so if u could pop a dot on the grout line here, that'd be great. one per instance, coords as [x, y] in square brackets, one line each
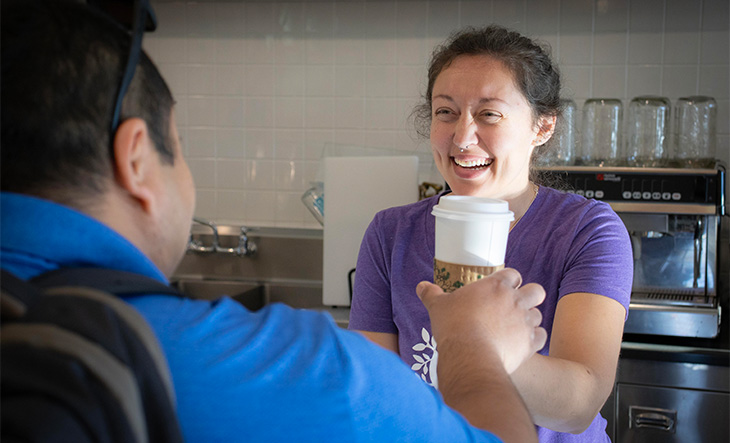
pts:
[214, 97]
[626, 53]
[663, 44]
[699, 47]
[593, 43]
[558, 56]
[524, 15]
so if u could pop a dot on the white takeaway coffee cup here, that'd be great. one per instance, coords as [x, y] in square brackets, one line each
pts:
[471, 239]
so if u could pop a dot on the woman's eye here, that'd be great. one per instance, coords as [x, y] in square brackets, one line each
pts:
[491, 116]
[444, 114]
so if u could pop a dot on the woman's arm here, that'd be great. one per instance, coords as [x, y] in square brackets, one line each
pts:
[565, 390]
[385, 339]
[485, 330]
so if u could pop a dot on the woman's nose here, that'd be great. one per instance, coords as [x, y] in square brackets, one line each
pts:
[465, 132]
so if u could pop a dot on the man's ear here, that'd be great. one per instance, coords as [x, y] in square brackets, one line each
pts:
[136, 162]
[545, 130]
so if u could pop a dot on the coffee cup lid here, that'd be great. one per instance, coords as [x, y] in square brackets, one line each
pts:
[464, 207]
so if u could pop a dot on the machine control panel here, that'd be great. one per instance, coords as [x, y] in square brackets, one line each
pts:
[645, 185]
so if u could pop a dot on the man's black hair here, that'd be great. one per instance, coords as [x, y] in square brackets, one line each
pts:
[62, 63]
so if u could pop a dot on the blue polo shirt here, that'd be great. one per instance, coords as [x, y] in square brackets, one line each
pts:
[277, 374]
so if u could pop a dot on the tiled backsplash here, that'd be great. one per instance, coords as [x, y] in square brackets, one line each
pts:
[264, 87]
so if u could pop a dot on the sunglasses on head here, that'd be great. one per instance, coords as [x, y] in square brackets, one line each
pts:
[137, 16]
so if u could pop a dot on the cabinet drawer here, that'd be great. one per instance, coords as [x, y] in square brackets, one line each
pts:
[658, 415]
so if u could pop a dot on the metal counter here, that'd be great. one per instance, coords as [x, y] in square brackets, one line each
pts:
[671, 390]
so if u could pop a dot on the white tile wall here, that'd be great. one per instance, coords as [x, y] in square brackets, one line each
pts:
[265, 87]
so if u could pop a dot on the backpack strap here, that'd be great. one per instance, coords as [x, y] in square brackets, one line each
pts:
[16, 296]
[96, 284]
[74, 314]
[120, 283]
[113, 375]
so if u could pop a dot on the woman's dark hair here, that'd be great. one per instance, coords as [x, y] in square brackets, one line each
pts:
[532, 68]
[533, 71]
[62, 64]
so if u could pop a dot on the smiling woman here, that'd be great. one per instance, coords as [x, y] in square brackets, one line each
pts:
[483, 132]
[493, 96]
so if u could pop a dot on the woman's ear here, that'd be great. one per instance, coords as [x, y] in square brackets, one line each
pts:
[545, 129]
[136, 162]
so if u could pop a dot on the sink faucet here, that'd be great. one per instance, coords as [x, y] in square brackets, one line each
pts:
[246, 247]
[197, 245]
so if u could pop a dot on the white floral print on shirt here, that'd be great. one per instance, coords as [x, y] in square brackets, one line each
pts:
[425, 364]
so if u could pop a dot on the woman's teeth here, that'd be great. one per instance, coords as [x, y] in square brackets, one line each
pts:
[477, 163]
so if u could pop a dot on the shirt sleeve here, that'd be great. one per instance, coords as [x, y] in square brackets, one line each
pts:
[600, 260]
[391, 403]
[280, 374]
[372, 307]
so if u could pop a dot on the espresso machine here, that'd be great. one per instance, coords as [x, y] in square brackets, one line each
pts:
[673, 217]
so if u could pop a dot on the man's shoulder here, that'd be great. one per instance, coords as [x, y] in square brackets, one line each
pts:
[185, 319]
[229, 353]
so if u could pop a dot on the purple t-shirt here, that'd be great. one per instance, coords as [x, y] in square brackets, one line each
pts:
[564, 242]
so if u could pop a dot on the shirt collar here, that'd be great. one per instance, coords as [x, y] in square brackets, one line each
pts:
[38, 235]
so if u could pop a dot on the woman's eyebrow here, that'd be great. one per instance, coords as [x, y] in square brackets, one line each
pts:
[443, 96]
[491, 99]
[481, 100]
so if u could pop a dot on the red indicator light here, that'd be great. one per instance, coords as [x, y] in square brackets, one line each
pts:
[599, 177]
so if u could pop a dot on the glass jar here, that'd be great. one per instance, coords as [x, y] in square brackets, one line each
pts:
[560, 149]
[313, 199]
[601, 132]
[695, 131]
[647, 131]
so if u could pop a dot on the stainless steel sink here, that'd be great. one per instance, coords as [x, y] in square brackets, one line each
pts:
[254, 295]
[250, 294]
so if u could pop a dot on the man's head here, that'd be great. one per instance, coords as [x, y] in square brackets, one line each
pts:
[62, 64]
[61, 67]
